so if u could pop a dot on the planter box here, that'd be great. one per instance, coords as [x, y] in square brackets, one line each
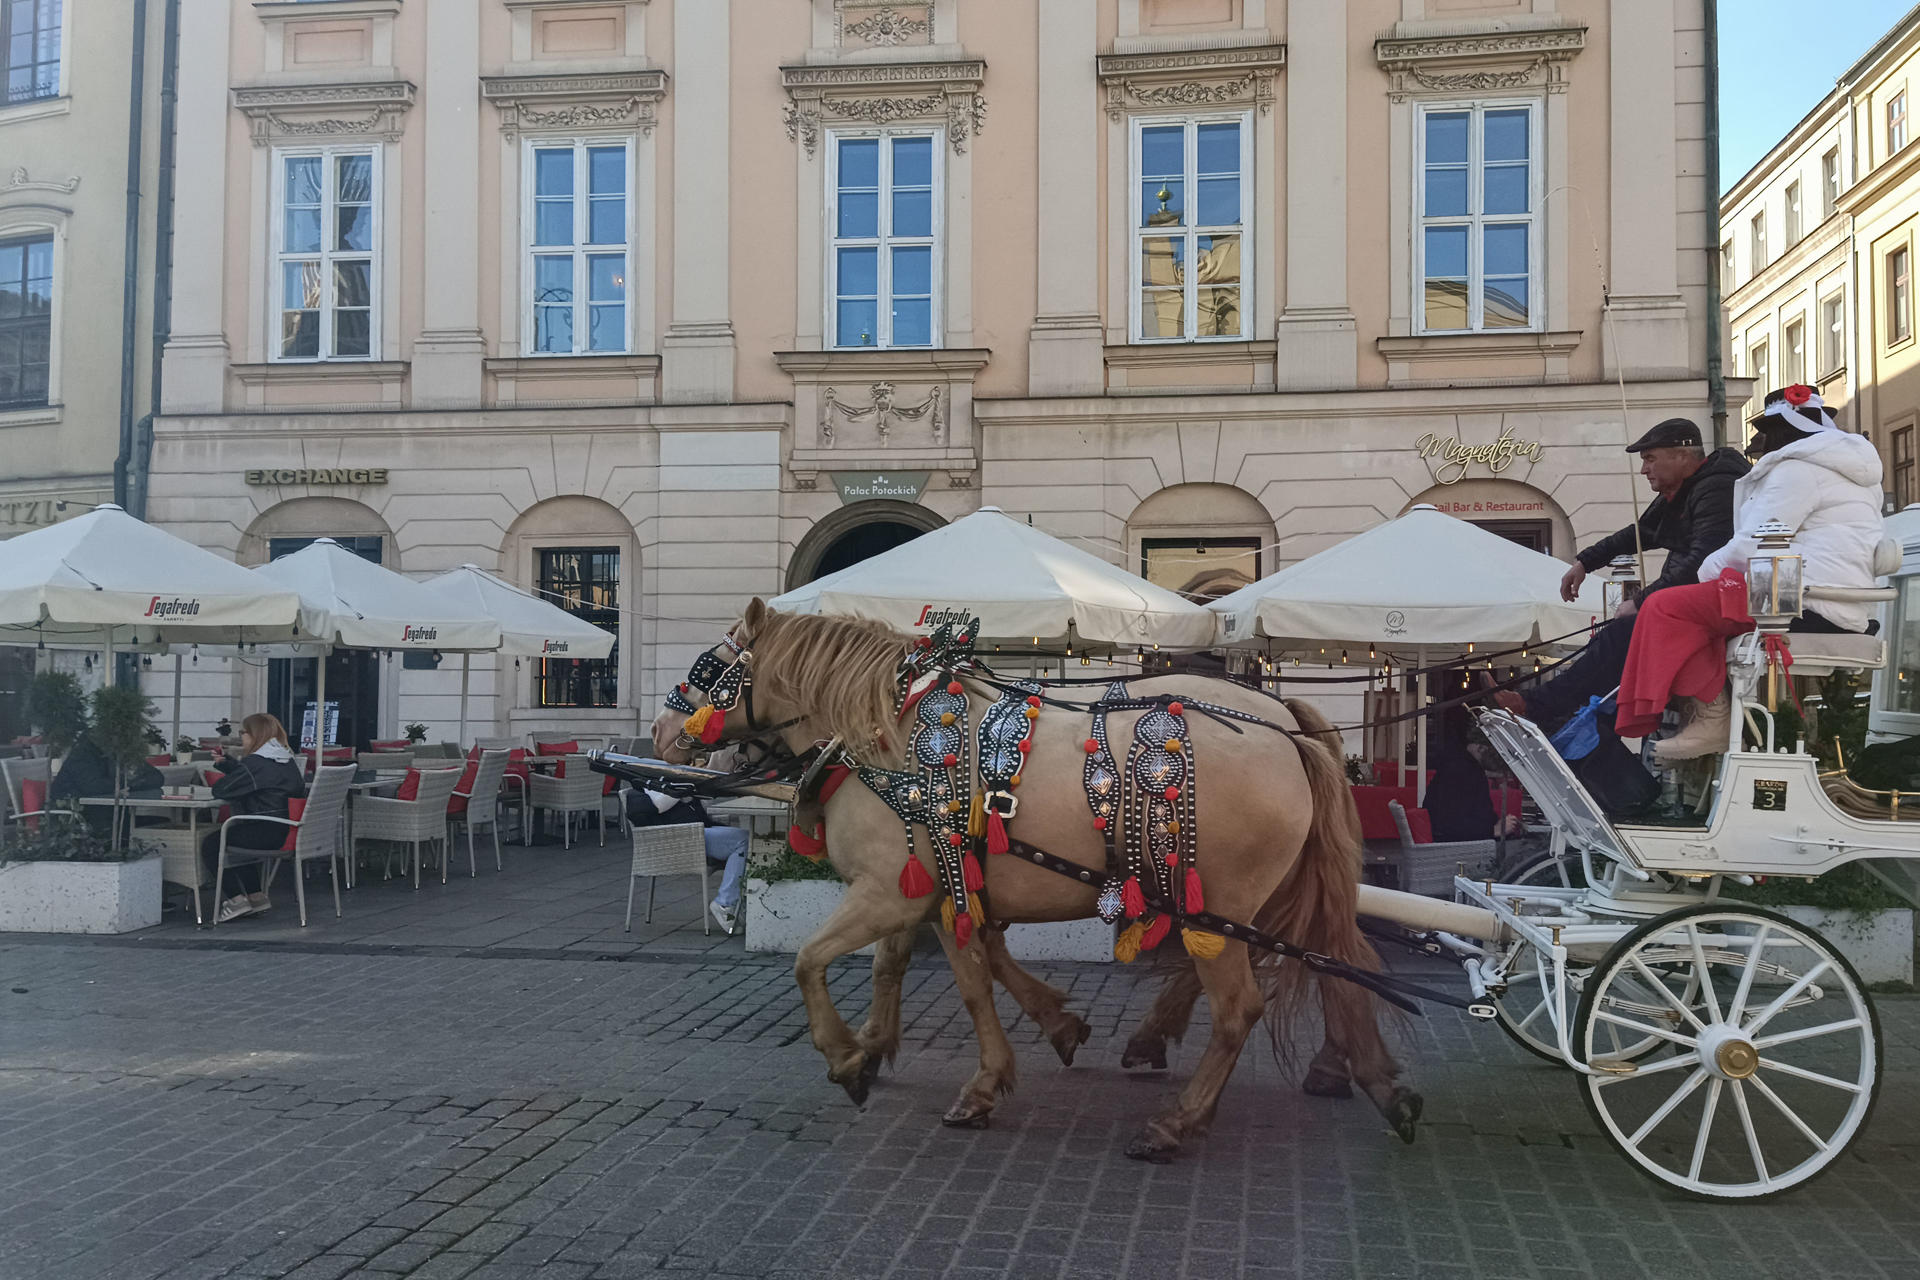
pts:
[79, 897]
[1879, 943]
[781, 916]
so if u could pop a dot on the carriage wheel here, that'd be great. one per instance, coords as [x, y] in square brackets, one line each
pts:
[1760, 1081]
[1551, 872]
[1525, 1011]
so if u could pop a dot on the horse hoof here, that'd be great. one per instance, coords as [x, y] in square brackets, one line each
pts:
[1403, 1113]
[869, 1072]
[1151, 1149]
[1324, 1084]
[860, 1082]
[1137, 1055]
[966, 1115]
[1069, 1038]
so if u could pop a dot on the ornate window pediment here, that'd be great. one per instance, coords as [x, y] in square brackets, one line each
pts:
[325, 112]
[1530, 58]
[885, 93]
[1192, 79]
[624, 100]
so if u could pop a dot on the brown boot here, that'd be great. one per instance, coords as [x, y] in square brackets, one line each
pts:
[1705, 734]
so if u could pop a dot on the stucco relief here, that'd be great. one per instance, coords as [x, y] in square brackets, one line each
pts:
[1476, 63]
[19, 181]
[883, 410]
[326, 111]
[1193, 78]
[624, 101]
[883, 27]
[882, 94]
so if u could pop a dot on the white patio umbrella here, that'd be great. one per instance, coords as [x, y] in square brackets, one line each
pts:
[529, 626]
[1028, 587]
[1426, 583]
[349, 602]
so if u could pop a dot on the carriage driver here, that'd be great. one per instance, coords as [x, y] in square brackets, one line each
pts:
[1690, 517]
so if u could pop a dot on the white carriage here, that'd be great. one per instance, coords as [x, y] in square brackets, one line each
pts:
[1726, 1050]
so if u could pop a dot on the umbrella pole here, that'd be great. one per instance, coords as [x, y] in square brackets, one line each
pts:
[1420, 762]
[1400, 731]
[320, 710]
[176, 703]
[466, 669]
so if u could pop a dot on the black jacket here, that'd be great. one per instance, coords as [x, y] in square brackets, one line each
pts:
[1696, 523]
[88, 772]
[254, 785]
[642, 812]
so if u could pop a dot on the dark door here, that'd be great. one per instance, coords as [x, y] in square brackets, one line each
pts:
[16, 673]
[353, 675]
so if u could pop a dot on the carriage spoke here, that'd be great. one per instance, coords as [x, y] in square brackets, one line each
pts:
[1801, 1073]
[1806, 1033]
[1639, 1072]
[1645, 1029]
[1753, 1138]
[1666, 992]
[1739, 1002]
[1703, 975]
[1527, 1021]
[1706, 1130]
[1792, 1116]
[1781, 1001]
[1680, 1095]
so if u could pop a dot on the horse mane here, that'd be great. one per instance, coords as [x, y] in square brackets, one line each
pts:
[841, 670]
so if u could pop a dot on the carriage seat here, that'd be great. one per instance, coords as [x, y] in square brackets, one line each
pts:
[1816, 654]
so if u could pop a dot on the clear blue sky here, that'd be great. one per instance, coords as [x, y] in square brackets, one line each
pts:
[1780, 57]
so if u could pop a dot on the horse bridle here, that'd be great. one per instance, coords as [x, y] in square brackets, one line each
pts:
[726, 685]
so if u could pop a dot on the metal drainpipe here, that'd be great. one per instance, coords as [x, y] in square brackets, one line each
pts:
[1716, 372]
[162, 257]
[130, 291]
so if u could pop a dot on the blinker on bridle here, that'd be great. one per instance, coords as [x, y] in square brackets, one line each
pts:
[724, 684]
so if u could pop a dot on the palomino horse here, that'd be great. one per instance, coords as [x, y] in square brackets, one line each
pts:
[1278, 847]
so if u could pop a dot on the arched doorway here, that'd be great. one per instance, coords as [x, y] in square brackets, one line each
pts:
[1202, 540]
[1515, 511]
[855, 533]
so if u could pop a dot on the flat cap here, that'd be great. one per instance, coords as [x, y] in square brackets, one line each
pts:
[1674, 433]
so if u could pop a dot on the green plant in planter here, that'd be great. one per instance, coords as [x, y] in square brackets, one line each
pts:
[156, 739]
[185, 745]
[1849, 888]
[416, 733]
[122, 728]
[57, 707]
[60, 840]
[785, 864]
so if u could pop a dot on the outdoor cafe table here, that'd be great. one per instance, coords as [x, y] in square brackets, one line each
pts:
[191, 802]
[749, 811]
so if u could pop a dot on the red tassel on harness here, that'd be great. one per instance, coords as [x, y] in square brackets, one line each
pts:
[1156, 932]
[804, 844]
[962, 928]
[914, 880]
[996, 832]
[715, 726]
[1194, 901]
[970, 874]
[1132, 901]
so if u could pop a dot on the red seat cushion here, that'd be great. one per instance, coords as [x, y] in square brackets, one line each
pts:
[409, 786]
[457, 803]
[296, 807]
[33, 799]
[388, 744]
[208, 777]
[568, 748]
[1420, 823]
[157, 761]
[1376, 820]
[517, 766]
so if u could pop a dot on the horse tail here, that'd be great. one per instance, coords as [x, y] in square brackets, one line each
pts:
[1315, 906]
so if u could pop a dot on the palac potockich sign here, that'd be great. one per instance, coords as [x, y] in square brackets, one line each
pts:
[1456, 456]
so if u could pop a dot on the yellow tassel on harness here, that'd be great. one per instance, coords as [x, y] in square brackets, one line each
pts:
[946, 915]
[697, 722]
[1202, 946]
[1127, 945]
[977, 818]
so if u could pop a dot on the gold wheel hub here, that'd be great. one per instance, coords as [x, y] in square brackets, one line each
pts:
[1737, 1059]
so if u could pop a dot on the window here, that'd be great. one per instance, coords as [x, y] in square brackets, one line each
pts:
[1899, 296]
[324, 228]
[1829, 183]
[884, 256]
[1201, 569]
[30, 31]
[584, 581]
[26, 320]
[1757, 370]
[578, 248]
[1793, 354]
[1191, 180]
[1726, 264]
[1833, 333]
[1478, 218]
[1793, 214]
[1902, 449]
[1897, 122]
[1759, 246]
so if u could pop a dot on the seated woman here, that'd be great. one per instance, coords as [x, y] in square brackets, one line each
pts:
[1824, 484]
[257, 783]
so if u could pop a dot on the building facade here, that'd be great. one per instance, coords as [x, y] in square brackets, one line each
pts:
[68, 325]
[655, 305]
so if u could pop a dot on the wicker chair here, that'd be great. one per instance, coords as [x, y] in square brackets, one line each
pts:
[578, 792]
[385, 760]
[1430, 868]
[483, 809]
[179, 775]
[668, 851]
[16, 774]
[416, 822]
[317, 835]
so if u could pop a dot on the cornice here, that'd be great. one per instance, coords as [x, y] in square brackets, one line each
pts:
[286, 113]
[597, 100]
[1863, 193]
[953, 74]
[1117, 66]
[886, 93]
[825, 365]
[1804, 256]
[1480, 61]
[1191, 78]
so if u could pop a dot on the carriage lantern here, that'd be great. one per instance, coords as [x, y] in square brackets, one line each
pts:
[1774, 579]
[1621, 584]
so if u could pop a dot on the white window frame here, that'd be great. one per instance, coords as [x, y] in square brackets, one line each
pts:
[1897, 140]
[1476, 222]
[1794, 225]
[579, 249]
[1832, 353]
[883, 242]
[1759, 362]
[1790, 376]
[1726, 263]
[1190, 304]
[1829, 183]
[276, 288]
[1757, 241]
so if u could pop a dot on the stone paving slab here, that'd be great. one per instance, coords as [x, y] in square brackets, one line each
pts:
[318, 1111]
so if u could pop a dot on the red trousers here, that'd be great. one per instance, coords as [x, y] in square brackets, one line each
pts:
[1679, 649]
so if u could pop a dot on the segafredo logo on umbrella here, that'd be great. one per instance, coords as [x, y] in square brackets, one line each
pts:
[414, 633]
[172, 607]
[940, 617]
[553, 646]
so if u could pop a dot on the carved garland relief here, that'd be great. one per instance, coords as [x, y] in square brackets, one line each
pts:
[882, 410]
[885, 94]
[1201, 78]
[1475, 64]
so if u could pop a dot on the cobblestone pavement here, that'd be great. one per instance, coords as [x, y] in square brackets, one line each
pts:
[318, 1111]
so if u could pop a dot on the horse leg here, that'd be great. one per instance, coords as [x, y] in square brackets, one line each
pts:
[1045, 1004]
[1234, 1001]
[861, 917]
[1166, 1020]
[974, 978]
[1354, 1032]
[1328, 1075]
[880, 1036]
